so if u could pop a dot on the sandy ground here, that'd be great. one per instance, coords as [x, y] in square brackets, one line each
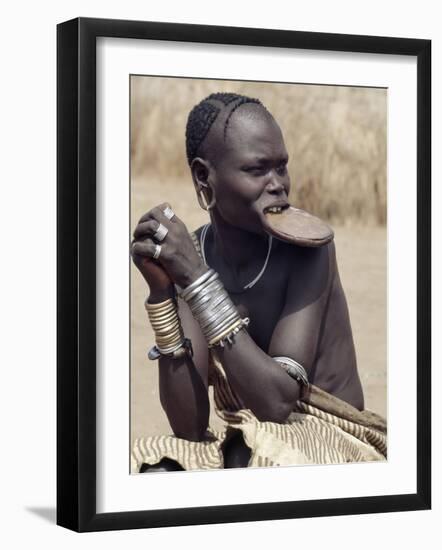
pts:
[362, 258]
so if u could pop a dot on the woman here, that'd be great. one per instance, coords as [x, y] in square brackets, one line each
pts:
[266, 319]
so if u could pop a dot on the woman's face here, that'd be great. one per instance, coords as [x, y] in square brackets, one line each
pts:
[250, 174]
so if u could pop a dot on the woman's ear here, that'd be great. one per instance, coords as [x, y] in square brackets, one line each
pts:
[201, 174]
[200, 169]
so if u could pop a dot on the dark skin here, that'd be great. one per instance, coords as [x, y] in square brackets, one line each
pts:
[297, 309]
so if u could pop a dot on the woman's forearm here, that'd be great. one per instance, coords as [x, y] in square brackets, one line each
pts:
[184, 397]
[262, 384]
[183, 393]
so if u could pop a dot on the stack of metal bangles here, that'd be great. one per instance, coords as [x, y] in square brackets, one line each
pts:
[213, 309]
[209, 303]
[166, 325]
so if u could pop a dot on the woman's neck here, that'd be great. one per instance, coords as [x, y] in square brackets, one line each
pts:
[237, 247]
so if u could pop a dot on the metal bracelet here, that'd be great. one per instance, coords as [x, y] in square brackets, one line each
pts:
[152, 307]
[184, 348]
[211, 316]
[225, 334]
[212, 307]
[293, 369]
[209, 285]
[185, 292]
[230, 336]
[219, 321]
[212, 300]
[219, 327]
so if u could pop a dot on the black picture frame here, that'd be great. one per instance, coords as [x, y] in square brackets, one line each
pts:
[76, 273]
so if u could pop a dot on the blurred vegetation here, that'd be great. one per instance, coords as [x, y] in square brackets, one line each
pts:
[336, 137]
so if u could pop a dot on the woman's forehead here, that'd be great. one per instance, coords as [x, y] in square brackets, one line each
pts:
[244, 133]
[254, 134]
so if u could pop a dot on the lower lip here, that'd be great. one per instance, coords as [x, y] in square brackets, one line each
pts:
[296, 227]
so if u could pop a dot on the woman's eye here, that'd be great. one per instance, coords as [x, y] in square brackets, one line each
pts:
[282, 169]
[256, 170]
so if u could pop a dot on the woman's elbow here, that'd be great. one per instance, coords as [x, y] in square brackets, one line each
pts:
[276, 413]
[190, 424]
[190, 434]
[190, 427]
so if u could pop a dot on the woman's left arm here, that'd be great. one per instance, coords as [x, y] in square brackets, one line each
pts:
[261, 382]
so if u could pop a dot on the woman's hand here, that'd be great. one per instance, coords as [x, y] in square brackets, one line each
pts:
[160, 284]
[177, 257]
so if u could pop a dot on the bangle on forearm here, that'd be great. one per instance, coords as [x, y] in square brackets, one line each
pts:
[184, 292]
[182, 350]
[166, 325]
[293, 369]
[213, 308]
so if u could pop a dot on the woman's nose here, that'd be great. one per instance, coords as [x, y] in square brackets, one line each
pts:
[276, 183]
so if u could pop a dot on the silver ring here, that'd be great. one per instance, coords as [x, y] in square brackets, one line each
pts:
[160, 233]
[157, 252]
[169, 213]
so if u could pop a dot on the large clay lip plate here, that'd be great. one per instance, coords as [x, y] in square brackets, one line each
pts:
[298, 227]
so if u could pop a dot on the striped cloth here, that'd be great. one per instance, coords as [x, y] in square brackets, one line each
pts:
[322, 429]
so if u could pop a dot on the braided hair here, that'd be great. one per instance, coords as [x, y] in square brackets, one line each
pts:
[203, 115]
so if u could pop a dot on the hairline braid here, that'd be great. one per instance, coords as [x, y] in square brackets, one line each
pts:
[204, 114]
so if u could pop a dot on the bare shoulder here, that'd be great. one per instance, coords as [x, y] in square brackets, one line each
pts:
[313, 268]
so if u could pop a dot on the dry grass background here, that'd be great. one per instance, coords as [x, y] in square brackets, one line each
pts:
[336, 138]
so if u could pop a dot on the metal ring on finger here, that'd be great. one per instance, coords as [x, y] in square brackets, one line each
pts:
[157, 252]
[169, 213]
[160, 233]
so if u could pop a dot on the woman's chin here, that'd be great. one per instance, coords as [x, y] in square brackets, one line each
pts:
[252, 221]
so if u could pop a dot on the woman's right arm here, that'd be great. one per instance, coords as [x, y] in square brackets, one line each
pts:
[184, 383]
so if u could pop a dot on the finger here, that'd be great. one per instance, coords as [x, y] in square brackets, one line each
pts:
[143, 248]
[146, 228]
[142, 238]
[157, 213]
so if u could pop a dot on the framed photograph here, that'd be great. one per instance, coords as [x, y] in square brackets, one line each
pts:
[243, 274]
